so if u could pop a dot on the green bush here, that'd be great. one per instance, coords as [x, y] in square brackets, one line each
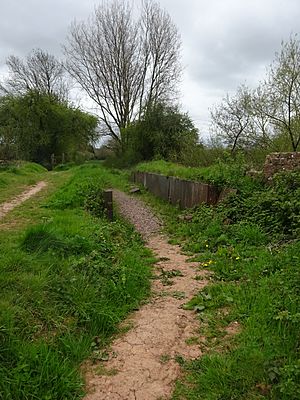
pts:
[94, 200]
[275, 208]
[162, 131]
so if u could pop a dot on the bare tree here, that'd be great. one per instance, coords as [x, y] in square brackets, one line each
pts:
[282, 102]
[40, 71]
[161, 50]
[251, 118]
[260, 123]
[123, 63]
[231, 119]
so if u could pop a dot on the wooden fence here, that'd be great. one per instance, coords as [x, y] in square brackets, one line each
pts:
[181, 192]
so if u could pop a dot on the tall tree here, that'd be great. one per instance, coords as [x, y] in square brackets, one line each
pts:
[40, 72]
[282, 103]
[124, 63]
[163, 131]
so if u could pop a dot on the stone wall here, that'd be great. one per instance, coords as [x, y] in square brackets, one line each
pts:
[277, 162]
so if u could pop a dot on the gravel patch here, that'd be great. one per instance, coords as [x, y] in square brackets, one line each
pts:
[136, 212]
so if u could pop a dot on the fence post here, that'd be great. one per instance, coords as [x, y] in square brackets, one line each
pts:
[108, 203]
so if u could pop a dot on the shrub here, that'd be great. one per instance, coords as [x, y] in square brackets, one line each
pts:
[94, 200]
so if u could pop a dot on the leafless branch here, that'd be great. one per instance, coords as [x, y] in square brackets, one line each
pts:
[40, 71]
[123, 63]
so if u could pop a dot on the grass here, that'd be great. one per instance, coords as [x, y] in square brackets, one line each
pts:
[85, 176]
[251, 244]
[67, 278]
[230, 173]
[14, 178]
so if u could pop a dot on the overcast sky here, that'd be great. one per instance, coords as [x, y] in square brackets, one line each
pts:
[225, 42]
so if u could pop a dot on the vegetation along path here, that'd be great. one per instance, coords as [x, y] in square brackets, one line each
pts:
[143, 363]
[29, 192]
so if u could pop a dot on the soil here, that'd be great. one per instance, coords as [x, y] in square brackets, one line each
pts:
[143, 362]
[29, 192]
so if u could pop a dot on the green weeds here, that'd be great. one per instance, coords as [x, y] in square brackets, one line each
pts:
[251, 244]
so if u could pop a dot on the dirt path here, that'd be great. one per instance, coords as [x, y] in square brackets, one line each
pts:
[29, 192]
[142, 363]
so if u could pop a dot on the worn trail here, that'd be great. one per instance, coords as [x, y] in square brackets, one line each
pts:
[29, 192]
[142, 362]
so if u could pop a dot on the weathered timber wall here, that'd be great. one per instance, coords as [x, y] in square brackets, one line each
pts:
[181, 192]
[276, 162]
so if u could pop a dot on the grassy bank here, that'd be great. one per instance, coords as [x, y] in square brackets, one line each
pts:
[67, 279]
[249, 314]
[15, 178]
[229, 173]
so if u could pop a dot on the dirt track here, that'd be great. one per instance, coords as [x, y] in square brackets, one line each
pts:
[31, 191]
[142, 363]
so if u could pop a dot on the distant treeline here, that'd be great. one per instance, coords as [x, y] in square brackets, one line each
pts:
[41, 127]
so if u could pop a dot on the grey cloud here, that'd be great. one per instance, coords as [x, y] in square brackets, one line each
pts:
[225, 42]
[33, 23]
